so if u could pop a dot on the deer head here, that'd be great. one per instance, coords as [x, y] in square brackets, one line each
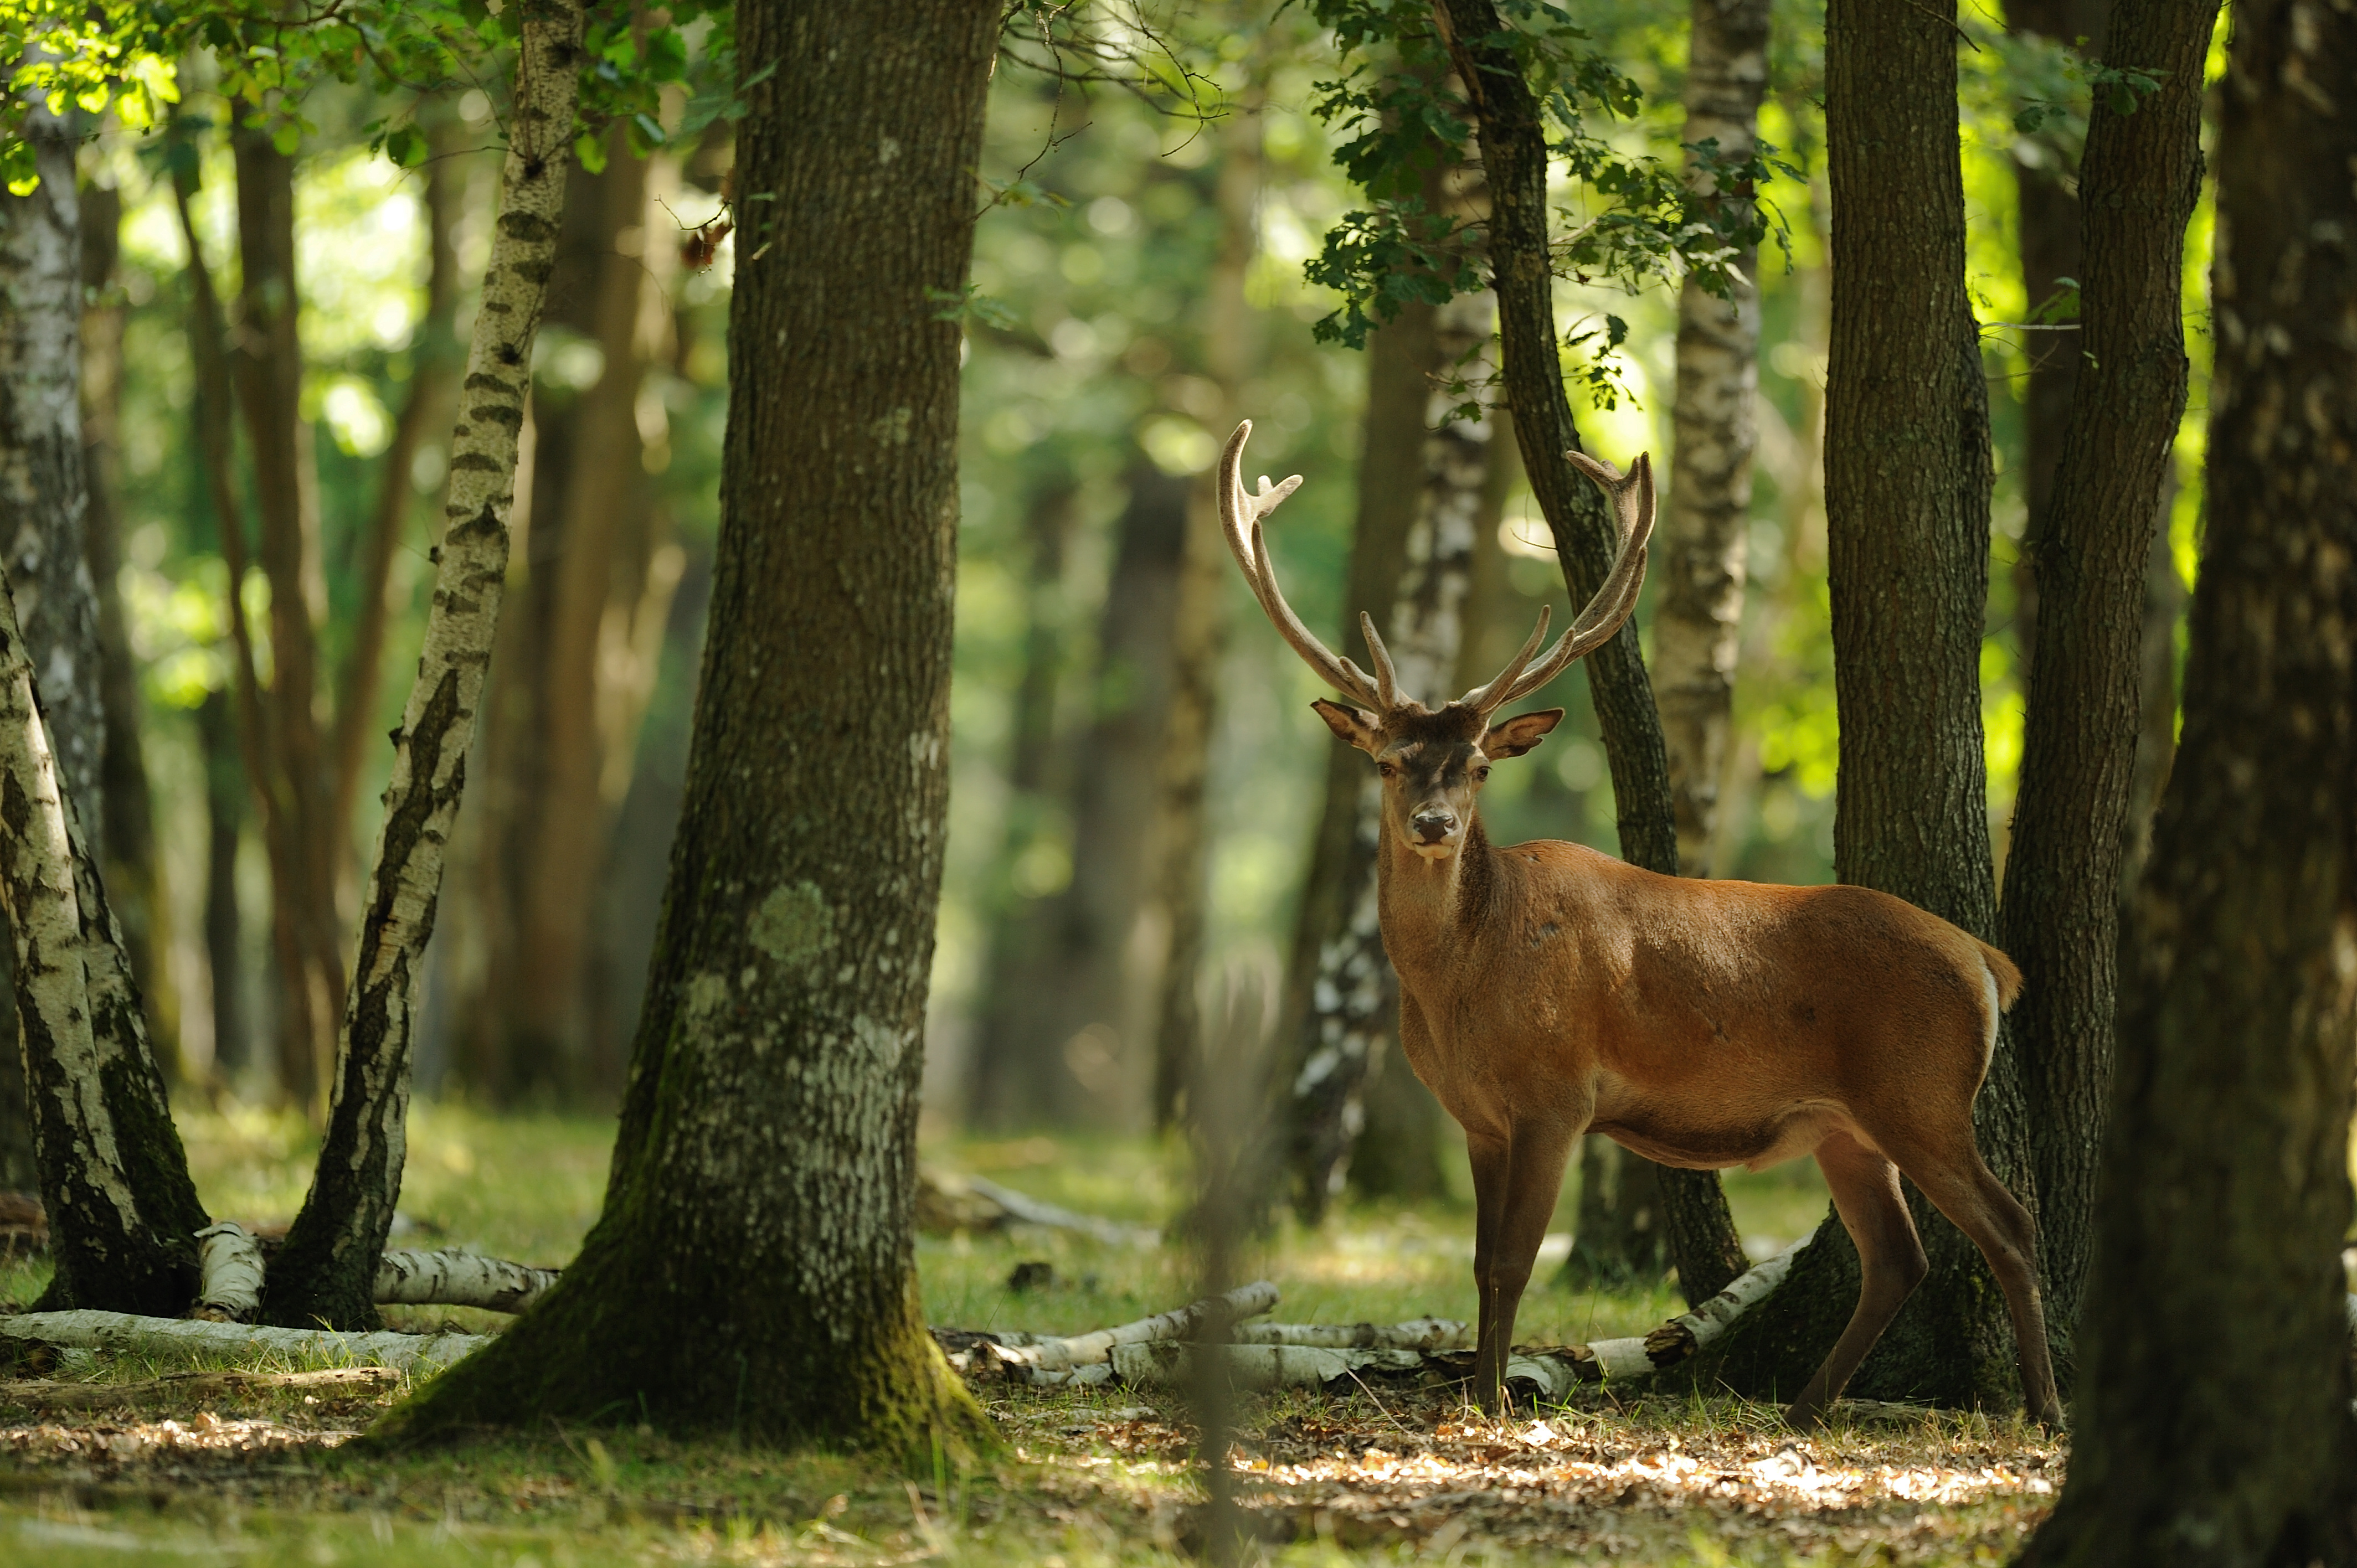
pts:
[1434, 761]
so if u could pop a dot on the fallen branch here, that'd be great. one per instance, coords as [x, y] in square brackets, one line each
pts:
[120, 1331]
[947, 1203]
[1417, 1334]
[448, 1278]
[184, 1385]
[1087, 1358]
[230, 1273]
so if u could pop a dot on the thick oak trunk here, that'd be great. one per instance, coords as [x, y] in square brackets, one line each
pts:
[2225, 1192]
[1907, 495]
[1702, 531]
[754, 1269]
[327, 1268]
[1515, 157]
[2137, 181]
[2047, 208]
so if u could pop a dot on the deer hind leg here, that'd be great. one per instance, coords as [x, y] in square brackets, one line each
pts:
[1866, 1193]
[1962, 1186]
[1529, 1184]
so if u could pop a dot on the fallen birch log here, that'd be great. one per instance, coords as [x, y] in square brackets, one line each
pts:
[1417, 1334]
[948, 1202]
[120, 1331]
[44, 1395]
[228, 1274]
[447, 1278]
[1185, 1323]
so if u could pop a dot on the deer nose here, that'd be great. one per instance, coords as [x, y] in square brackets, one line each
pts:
[1431, 827]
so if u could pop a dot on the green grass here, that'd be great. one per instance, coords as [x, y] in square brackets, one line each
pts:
[252, 1475]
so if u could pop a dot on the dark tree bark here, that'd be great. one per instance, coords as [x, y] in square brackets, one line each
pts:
[1402, 358]
[1515, 157]
[1907, 497]
[224, 945]
[2138, 183]
[755, 1269]
[2047, 209]
[1061, 1036]
[2155, 747]
[2214, 1400]
[326, 1272]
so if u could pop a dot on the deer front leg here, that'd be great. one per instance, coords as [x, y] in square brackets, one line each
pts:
[1531, 1180]
[1489, 1158]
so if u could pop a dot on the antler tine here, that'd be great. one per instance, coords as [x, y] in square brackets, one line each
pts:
[1386, 678]
[1241, 510]
[1634, 510]
[1479, 697]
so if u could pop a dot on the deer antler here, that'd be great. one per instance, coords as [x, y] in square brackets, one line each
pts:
[1632, 511]
[1239, 516]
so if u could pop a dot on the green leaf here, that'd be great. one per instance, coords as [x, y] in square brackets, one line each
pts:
[590, 148]
[287, 138]
[405, 145]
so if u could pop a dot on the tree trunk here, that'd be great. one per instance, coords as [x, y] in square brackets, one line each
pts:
[2138, 181]
[2047, 201]
[1354, 1000]
[2225, 1194]
[1703, 527]
[134, 873]
[1200, 625]
[755, 1269]
[2155, 745]
[326, 1271]
[266, 358]
[590, 509]
[1400, 362]
[1621, 1238]
[1907, 496]
[1514, 152]
[1059, 1047]
[224, 943]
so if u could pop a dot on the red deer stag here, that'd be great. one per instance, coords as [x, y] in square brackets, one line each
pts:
[1548, 990]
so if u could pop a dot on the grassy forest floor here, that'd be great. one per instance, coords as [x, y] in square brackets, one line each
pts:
[115, 1460]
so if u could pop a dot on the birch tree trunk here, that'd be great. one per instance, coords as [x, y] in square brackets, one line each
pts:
[1400, 362]
[326, 1271]
[2140, 175]
[2225, 1192]
[754, 1269]
[1199, 625]
[1354, 997]
[1703, 538]
[1907, 492]
[1514, 149]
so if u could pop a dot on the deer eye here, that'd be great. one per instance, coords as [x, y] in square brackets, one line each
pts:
[1481, 772]
[1387, 769]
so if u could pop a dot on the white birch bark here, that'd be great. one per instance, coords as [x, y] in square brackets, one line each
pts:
[1417, 1334]
[1701, 547]
[230, 1273]
[449, 1278]
[1351, 999]
[328, 1268]
[127, 1333]
[1061, 1355]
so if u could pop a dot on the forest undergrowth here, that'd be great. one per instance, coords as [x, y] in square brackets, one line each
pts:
[113, 1459]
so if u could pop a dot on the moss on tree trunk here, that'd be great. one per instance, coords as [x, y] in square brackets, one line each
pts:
[754, 1269]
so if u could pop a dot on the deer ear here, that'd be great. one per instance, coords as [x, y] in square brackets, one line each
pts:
[1355, 725]
[1519, 734]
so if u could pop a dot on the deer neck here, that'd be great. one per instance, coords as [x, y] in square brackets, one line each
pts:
[1427, 905]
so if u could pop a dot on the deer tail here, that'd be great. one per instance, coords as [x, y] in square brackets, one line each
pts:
[2002, 970]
